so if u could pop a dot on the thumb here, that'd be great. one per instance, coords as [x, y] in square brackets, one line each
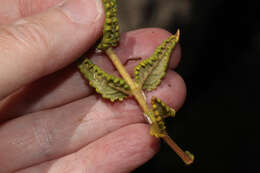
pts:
[41, 44]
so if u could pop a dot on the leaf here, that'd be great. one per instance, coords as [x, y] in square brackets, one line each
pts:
[149, 72]
[158, 128]
[160, 112]
[111, 34]
[109, 86]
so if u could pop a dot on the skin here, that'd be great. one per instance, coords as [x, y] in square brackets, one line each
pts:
[50, 119]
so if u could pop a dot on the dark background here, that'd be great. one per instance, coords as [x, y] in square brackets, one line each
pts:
[219, 122]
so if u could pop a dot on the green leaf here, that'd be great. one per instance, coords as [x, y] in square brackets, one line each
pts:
[149, 72]
[161, 110]
[109, 86]
[111, 35]
[157, 128]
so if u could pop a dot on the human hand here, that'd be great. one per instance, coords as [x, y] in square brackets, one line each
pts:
[51, 120]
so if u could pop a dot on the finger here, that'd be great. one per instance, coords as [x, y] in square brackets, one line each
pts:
[68, 85]
[137, 48]
[39, 45]
[49, 92]
[119, 152]
[38, 137]
[15, 9]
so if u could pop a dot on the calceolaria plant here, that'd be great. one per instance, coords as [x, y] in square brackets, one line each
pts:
[147, 74]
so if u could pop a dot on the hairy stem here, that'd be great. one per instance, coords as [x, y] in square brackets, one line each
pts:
[137, 92]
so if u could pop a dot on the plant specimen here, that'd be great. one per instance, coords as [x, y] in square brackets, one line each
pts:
[148, 75]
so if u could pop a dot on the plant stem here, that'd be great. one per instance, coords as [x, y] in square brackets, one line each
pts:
[136, 90]
[138, 94]
[186, 156]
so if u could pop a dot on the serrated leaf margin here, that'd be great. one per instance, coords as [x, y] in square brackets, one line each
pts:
[161, 53]
[158, 128]
[158, 105]
[86, 67]
[111, 35]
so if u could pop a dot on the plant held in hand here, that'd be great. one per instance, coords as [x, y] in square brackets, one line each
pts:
[148, 75]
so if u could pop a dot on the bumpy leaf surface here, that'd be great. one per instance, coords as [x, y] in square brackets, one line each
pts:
[160, 111]
[111, 34]
[149, 72]
[158, 129]
[109, 86]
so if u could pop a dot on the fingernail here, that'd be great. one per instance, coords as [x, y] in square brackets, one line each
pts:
[82, 11]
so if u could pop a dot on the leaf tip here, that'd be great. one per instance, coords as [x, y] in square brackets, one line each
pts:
[177, 35]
